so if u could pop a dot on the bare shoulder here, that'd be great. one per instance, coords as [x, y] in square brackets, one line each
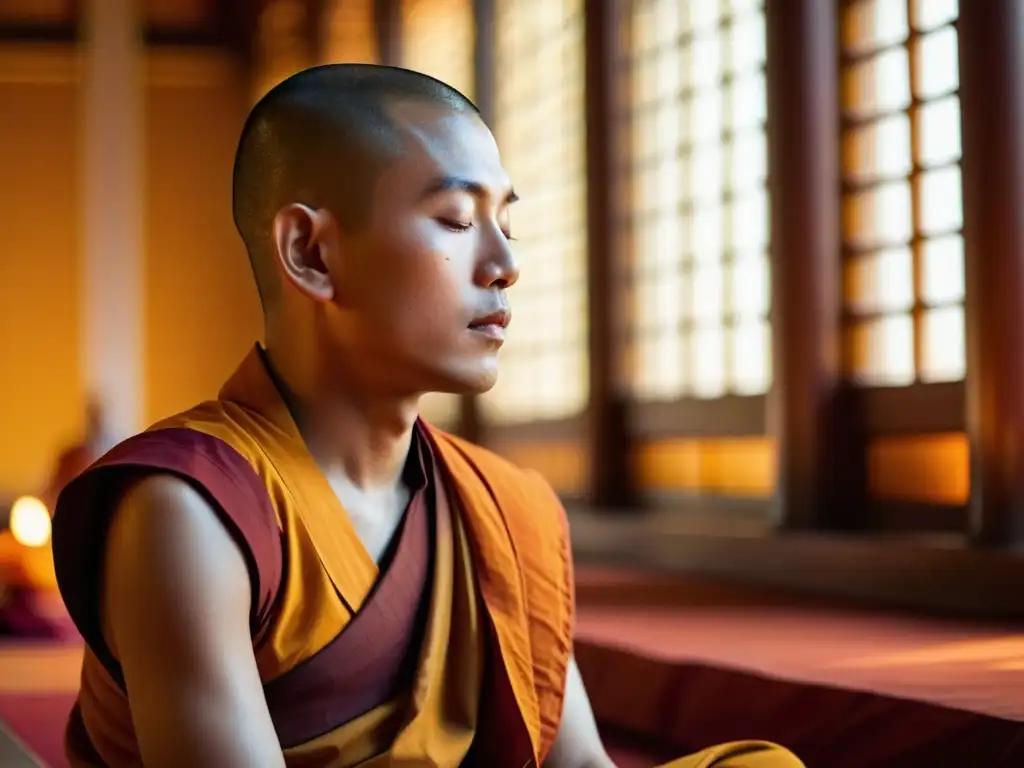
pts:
[175, 613]
[167, 552]
[165, 526]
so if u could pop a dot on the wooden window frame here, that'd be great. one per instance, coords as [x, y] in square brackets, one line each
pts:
[919, 407]
[728, 415]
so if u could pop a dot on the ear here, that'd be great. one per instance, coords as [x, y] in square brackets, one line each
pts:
[301, 237]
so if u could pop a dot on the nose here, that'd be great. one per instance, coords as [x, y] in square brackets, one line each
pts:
[498, 267]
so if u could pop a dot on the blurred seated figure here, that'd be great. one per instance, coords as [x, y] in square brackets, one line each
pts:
[77, 457]
[29, 603]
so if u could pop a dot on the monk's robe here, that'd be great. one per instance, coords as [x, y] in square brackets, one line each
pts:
[452, 651]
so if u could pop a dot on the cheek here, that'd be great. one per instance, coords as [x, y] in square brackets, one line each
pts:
[427, 288]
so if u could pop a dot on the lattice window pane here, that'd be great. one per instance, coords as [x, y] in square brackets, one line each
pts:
[943, 354]
[943, 270]
[870, 26]
[698, 214]
[751, 354]
[941, 201]
[350, 35]
[939, 135]
[878, 85]
[878, 150]
[879, 216]
[438, 40]
[935, 60]
[881, 349]
[903, 206]
[541, 131]
[880, 282]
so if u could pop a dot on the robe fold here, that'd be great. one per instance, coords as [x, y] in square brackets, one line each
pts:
[739, 754]
[453, 652]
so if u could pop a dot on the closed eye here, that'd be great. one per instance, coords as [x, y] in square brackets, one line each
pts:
[455, 226]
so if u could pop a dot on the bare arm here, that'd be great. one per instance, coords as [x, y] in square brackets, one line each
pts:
[578, 744]
[176, 605]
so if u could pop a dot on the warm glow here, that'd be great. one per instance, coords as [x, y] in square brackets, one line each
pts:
[30, 522]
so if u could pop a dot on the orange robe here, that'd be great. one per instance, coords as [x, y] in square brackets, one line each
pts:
[453, 653]
[461, 643]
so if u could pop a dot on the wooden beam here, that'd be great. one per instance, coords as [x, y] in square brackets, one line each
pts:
[727, 416]
[804, 183]
[39, 32]
[992, 109]
[611, 482]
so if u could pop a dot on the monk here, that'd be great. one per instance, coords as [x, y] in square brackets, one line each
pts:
[302, 572]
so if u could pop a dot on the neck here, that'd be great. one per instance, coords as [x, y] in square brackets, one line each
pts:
[365, 436]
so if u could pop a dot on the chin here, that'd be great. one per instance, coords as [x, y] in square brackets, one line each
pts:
[475, 379]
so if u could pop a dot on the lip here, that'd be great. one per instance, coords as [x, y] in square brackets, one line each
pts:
[501, 318]
[491, 331]
[493, 325]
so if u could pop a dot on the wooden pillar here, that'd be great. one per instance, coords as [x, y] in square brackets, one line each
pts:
[112, 303]
[388, 17]
[611, 484]
[804, 186]
[992, 105]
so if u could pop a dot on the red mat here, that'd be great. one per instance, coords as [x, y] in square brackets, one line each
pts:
[843, 689]
[37, 720]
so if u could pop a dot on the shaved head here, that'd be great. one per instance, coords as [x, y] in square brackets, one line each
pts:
[376, 212]
[322, 138]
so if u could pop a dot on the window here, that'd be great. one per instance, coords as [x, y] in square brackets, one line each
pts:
[698, 208]
[541, 130]
[902, 206]
[350, 33]
[438, 39]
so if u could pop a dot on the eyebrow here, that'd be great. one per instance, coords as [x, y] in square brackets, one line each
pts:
[475, 188]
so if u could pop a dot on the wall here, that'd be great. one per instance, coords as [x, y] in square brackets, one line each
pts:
[40, 384]
[201, 307]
